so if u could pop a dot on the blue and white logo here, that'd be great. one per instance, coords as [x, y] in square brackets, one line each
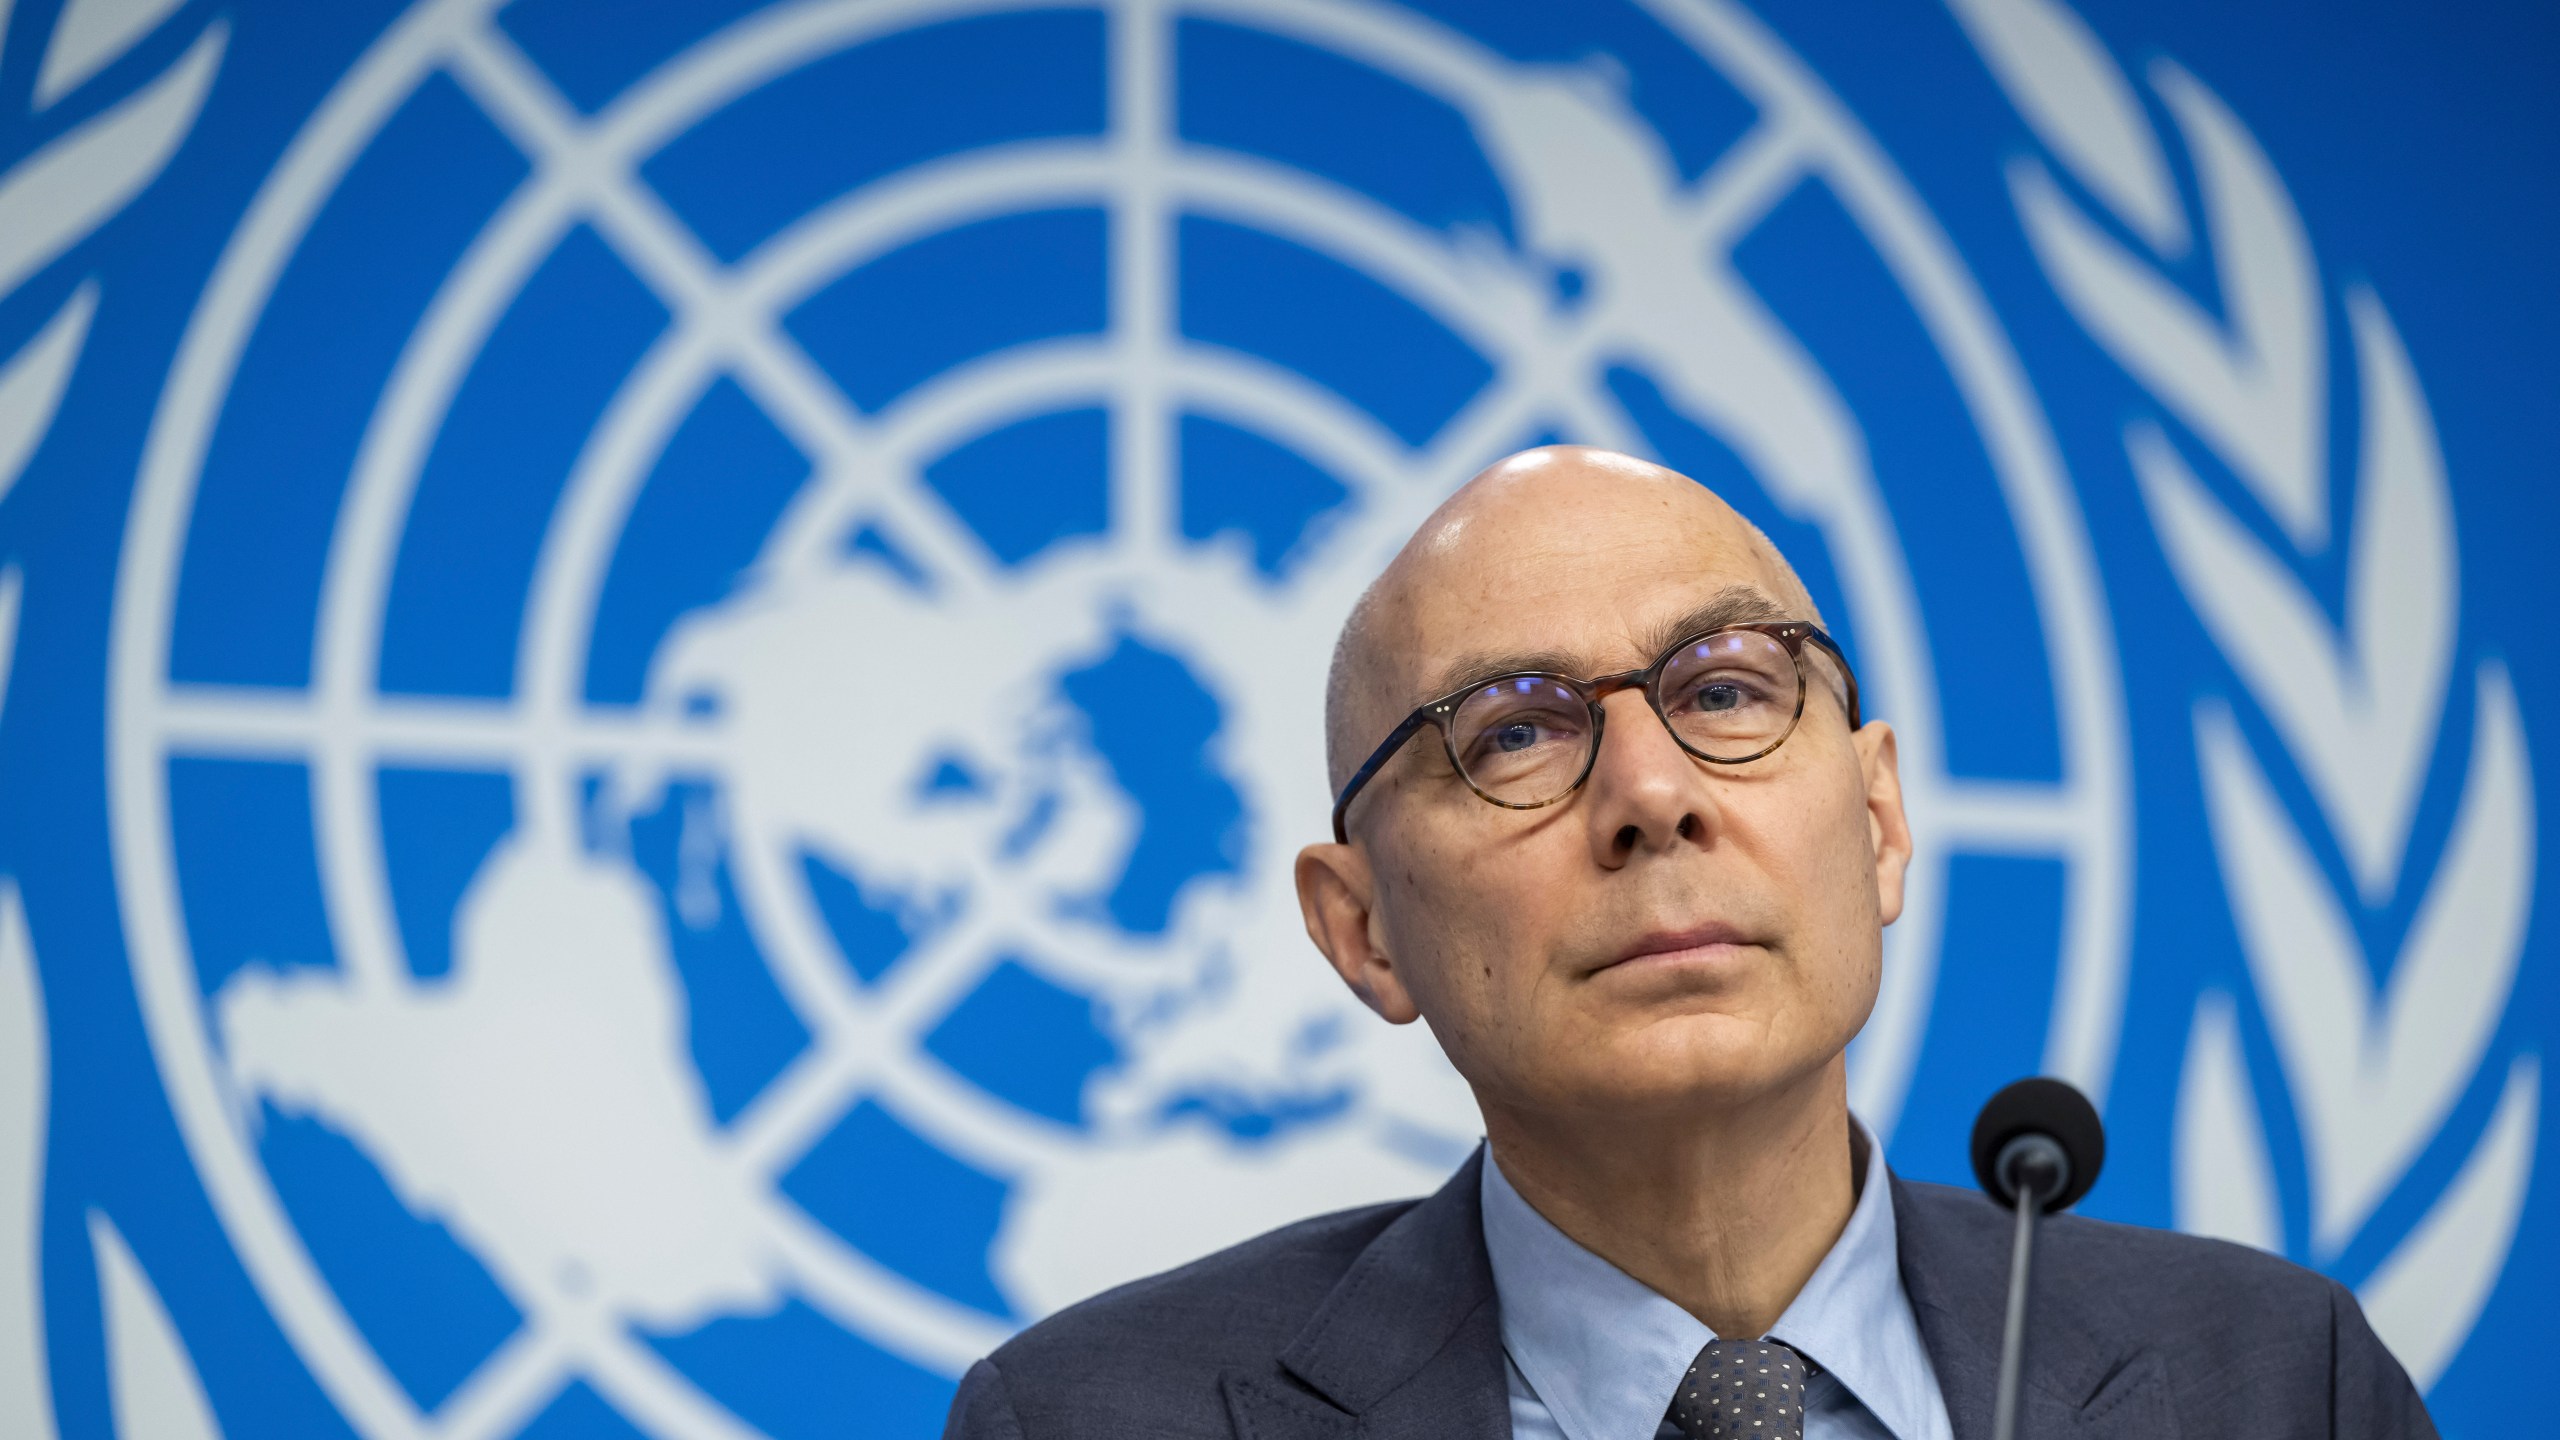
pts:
[717, 656]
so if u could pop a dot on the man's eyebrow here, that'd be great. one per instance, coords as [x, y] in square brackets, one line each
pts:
[1468, 671]
[1731, 605]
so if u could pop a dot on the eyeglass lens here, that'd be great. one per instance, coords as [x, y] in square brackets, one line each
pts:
[1527, 739]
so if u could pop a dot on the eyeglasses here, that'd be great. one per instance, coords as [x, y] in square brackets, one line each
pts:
[1528, 739]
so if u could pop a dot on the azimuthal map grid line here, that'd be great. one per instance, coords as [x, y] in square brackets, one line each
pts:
[1142, 279]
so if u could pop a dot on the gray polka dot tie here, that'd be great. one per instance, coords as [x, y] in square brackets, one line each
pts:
[1742, 1390]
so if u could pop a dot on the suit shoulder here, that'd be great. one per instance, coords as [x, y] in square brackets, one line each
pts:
[2157, 1272]
[1242, 1303]
[2250, 1338]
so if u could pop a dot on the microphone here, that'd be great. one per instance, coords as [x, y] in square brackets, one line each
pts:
[2037, 1146]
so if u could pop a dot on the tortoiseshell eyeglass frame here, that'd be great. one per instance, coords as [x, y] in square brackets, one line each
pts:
[1437, 713]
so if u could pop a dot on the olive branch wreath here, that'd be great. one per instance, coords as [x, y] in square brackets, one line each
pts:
[56, 196]
[2372, 1075]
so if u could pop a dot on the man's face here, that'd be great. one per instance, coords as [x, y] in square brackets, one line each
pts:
[1673, 933]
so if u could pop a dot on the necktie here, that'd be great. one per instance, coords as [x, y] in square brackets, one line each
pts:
[1742, 1390]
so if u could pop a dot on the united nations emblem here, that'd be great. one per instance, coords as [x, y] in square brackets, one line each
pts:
[759, 871]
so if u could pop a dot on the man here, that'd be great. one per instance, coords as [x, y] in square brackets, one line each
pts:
[1608, 821]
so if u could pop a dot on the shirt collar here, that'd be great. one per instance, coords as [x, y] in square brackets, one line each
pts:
[1604, 1351]
[1853, 1318]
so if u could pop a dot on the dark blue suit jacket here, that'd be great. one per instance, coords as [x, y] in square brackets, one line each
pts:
[1382, 1323]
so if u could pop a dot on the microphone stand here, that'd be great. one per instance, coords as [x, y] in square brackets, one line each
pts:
[2033, 1169]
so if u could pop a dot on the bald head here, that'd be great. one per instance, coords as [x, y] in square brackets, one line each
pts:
[1465, 592]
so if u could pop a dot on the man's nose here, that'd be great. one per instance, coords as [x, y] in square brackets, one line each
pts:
[1646, 795]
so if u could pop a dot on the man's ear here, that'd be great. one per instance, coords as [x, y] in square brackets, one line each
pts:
[1888, 829]
[1338, 896]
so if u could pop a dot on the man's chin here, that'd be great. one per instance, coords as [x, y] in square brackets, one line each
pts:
[1700, 1066]
[1678, 1095]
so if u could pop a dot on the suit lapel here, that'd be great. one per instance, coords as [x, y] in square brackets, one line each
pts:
[2083, 1377]
[1408, 1345]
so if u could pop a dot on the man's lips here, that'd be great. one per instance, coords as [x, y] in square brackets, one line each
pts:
[1707, 942]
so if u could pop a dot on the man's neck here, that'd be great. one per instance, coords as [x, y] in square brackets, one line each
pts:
[1724, 1214]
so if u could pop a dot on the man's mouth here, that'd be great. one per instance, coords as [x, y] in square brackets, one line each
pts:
[1707, 944]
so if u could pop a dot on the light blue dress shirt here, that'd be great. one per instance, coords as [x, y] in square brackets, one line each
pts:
[1595, 1354]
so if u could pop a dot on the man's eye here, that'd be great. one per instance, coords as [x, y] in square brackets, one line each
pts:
[1723, 695]
[1518, 735]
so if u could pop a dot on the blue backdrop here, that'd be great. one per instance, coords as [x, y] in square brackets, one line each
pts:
[662, 661]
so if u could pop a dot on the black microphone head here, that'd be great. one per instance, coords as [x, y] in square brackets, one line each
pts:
[2040, 1106]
